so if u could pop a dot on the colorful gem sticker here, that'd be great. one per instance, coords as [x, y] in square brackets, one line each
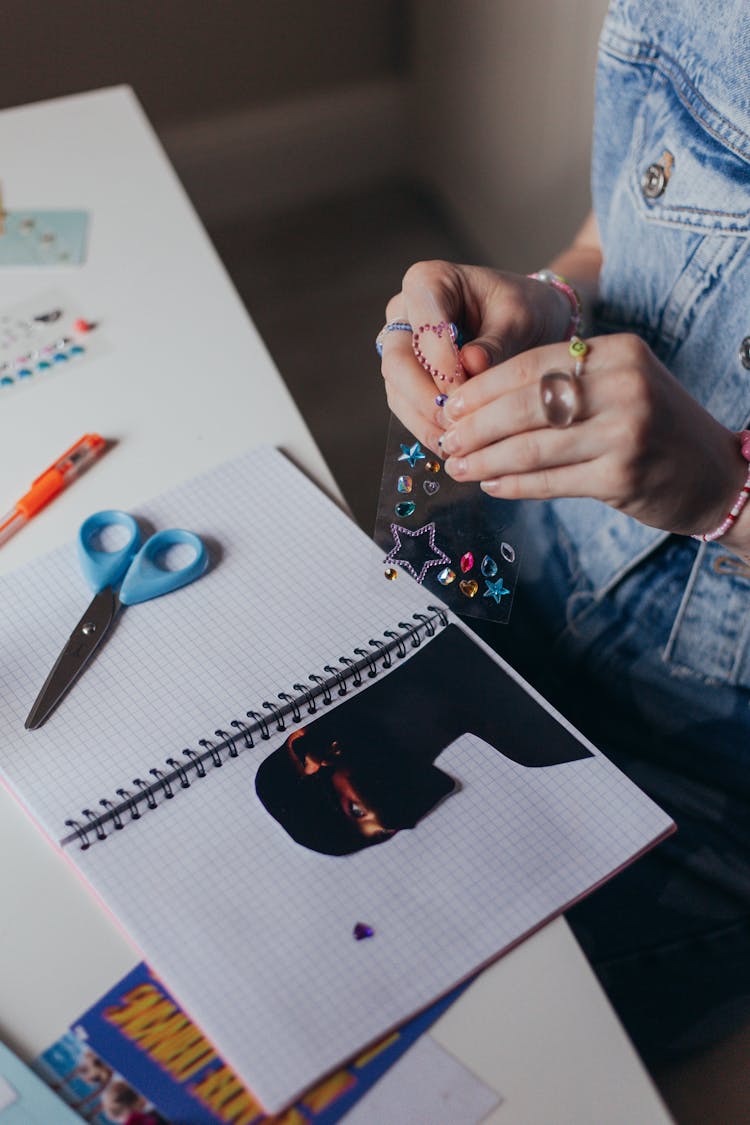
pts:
[488, 567]
[453, 539]
[427, 535]
[362, 930]
[412, 454]
[435, 347]
[391, 573]
[496, 590]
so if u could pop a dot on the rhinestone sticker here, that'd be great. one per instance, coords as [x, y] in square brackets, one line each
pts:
[496, 590]
[430, 486]
[489, 567]
[362, 931]
[435, 348]
[507, 552]
[432, 466]
[405, 508]
[468, 587]
[391, 573]
[426, 535]
[412, 453]
[404, 484]
[467, 562]
[446, 576]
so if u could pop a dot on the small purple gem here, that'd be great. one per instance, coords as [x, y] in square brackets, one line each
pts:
[361, 931]
[440, 400]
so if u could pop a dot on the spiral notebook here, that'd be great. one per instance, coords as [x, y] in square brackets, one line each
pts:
[315, 805]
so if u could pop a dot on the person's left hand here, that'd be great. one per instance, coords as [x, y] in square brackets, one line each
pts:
[640, 442]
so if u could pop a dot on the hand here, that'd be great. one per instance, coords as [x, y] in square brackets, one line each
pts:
[641, 443]
[502, 314]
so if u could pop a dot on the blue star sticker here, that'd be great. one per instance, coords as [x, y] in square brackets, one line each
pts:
[495, 590]
[411, 454]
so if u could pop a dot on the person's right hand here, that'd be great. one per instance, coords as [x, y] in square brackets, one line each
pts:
[499, 314]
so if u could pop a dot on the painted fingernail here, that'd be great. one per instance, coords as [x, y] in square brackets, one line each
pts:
[449, 442]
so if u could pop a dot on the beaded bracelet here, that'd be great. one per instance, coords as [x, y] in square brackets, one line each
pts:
[739, 503]
[575, 327]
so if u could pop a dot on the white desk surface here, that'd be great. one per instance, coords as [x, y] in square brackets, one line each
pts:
[186, 382]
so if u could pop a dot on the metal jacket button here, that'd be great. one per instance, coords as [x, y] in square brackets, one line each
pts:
[745, 353]
[654, 181]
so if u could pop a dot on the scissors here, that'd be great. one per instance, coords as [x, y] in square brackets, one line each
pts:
[126, 576]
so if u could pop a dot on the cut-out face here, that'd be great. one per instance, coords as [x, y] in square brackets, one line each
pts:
[362, 772]
[340, 795]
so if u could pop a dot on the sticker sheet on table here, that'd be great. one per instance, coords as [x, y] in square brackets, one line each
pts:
[41, 338]
[452, 538]
[43, 238]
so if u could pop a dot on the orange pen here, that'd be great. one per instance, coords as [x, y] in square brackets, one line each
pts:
[51, 482]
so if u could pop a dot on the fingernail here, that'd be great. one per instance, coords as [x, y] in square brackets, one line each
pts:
[456, 466]
[454, 405]
[449, 442]
[488, 485]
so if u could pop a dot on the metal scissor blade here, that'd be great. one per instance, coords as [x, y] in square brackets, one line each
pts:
[81, 646]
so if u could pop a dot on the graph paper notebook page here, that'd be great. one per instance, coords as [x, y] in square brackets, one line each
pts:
[314, 807]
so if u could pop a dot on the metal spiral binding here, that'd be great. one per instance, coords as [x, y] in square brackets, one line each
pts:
[326, 689]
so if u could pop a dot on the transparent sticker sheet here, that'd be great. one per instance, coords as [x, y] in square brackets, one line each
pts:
[453, 538]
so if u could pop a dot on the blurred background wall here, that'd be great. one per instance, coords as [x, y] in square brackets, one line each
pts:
[267, 104]
[327, 144]
[503, 96]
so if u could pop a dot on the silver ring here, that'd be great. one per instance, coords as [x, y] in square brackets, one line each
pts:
[391, 326]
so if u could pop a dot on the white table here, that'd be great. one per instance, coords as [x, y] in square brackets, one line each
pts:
[185, 382]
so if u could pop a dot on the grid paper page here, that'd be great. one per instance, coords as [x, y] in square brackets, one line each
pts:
[252, 932]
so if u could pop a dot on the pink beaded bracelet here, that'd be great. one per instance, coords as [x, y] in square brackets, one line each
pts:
[575, 327]
[739, 503]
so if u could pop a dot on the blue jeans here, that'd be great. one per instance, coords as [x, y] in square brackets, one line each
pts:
[670, 936]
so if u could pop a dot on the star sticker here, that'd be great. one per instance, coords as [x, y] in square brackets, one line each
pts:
[495, 590]
[411, 454]
[440, 559]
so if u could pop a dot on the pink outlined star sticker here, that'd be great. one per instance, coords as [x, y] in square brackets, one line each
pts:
[440, 559]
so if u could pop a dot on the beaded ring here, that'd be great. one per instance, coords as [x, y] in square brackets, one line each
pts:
[740, 502]
[391, 326]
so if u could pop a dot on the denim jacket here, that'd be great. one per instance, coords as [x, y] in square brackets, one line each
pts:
[671, 190]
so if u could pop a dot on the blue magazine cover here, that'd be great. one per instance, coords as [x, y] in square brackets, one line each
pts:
[135, 1058]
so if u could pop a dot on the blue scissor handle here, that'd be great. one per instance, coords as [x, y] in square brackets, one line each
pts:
[145, 579]
[106, 568]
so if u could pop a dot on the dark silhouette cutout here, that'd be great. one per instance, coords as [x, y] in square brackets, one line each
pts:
[358, 774]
